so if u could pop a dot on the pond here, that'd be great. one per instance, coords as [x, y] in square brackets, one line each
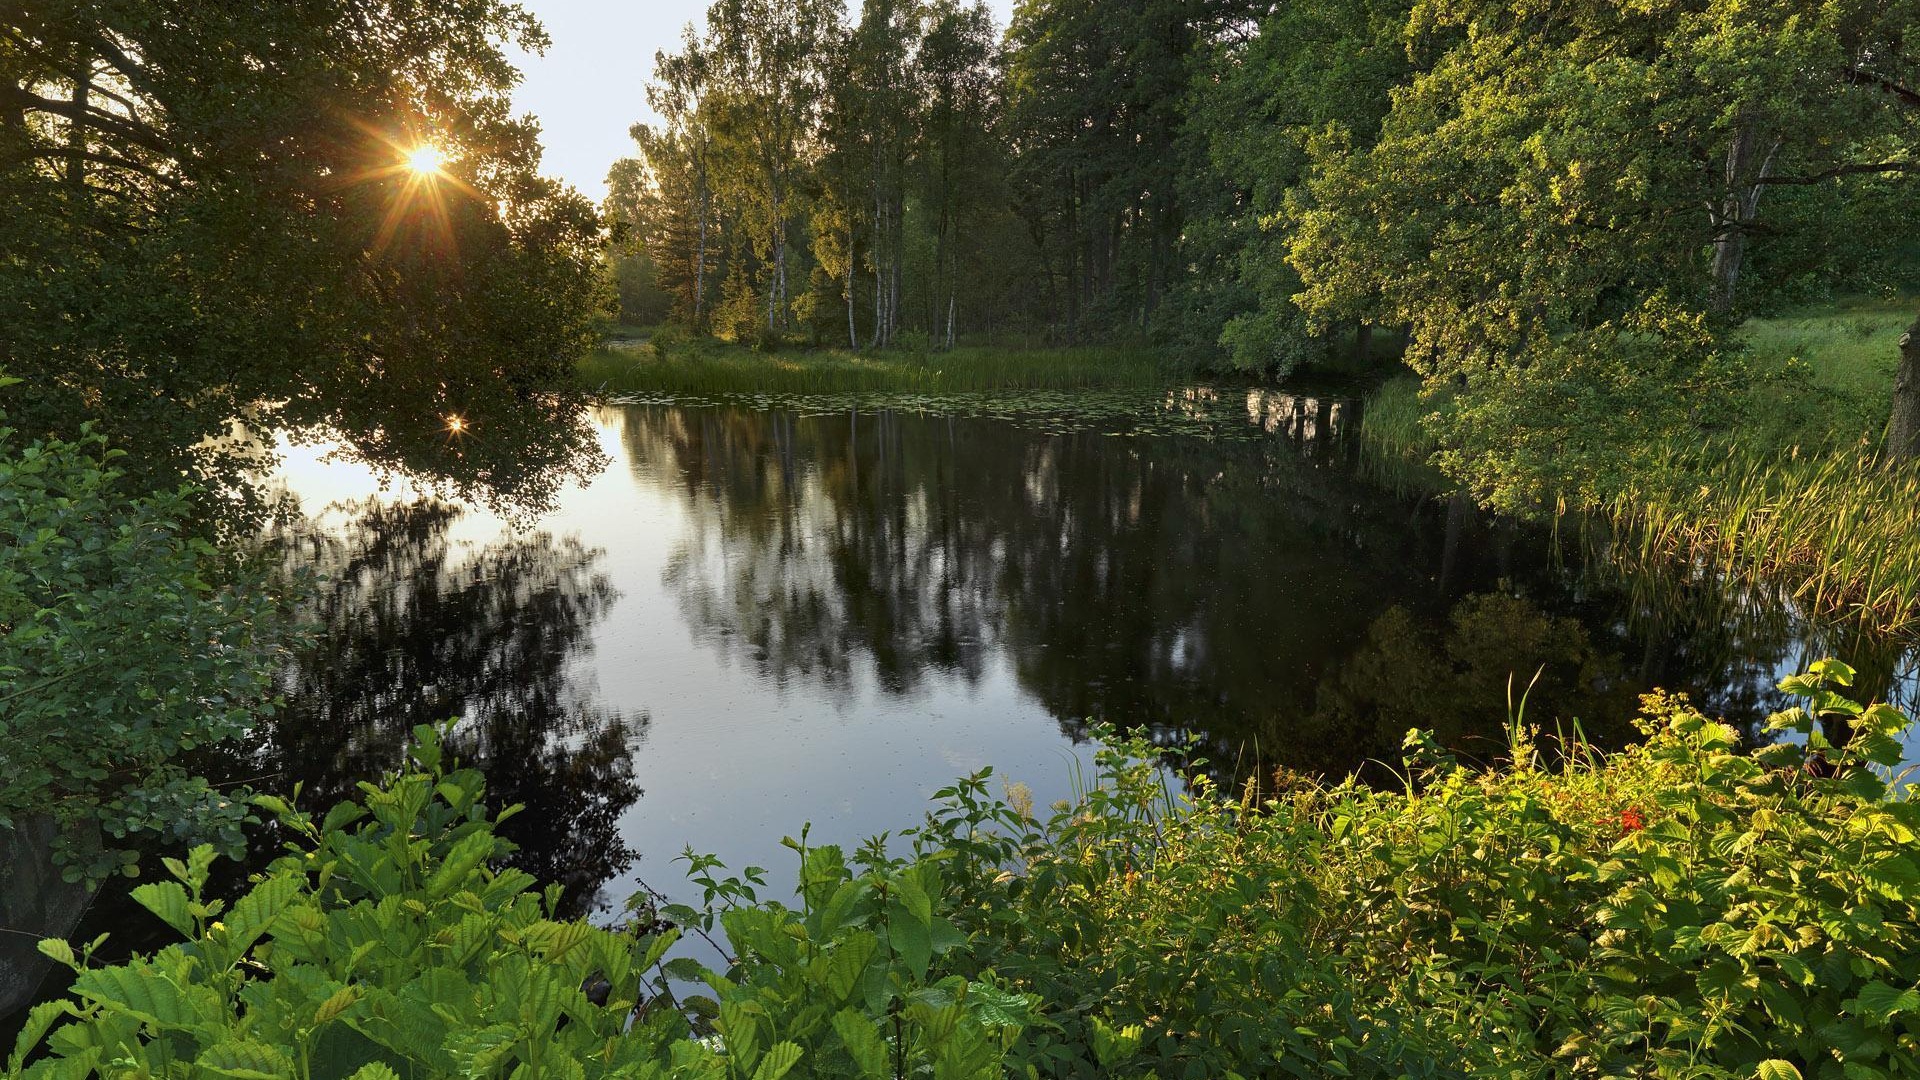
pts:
[765, 614]
[757, 618]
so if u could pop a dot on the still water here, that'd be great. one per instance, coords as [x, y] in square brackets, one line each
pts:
[754, 619]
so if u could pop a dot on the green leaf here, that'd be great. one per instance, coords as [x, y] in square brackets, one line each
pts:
[256, 911]
[1776, 1069]
[40, 1019]
[863, 1042]
[59, 951]
[1881, 1001]
[911, 938]
[142, 992]
[780, 1059]
[168, 900]
[467, 855]
[246, 1060]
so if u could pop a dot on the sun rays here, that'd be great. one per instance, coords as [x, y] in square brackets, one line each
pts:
[419, 173]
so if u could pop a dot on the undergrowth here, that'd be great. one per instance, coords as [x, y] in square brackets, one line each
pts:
[1688, 908]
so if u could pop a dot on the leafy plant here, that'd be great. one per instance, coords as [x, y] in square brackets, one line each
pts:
[1687, 908]
[125, 640]
[385, 943]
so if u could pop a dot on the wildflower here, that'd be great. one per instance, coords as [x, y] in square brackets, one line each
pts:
[1020, 798]
[1632, 820]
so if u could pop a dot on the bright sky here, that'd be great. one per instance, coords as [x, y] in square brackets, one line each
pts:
[590, 87]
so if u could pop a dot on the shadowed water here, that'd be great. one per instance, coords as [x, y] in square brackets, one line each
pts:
[763, 618]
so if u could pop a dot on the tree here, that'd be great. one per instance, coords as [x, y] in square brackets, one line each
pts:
[1263, 91]
[1565, 205]
[665, 198]
[120, 647]
[1094, 99]
[764, 86]
[212, 221]
[961, 162]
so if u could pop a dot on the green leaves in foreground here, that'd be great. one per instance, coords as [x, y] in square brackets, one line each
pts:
[385, 944]
[1689, 908]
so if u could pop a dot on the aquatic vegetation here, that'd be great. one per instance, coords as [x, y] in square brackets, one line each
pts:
[1118, 412]
[1688, 908]
[1838, 531]
[672, 362]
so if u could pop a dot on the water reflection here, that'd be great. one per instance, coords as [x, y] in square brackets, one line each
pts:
[412, 626]
[1253, 594]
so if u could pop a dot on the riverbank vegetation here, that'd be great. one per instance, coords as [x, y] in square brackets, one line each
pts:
[1688, 908]
[671, 362]
[124, 641]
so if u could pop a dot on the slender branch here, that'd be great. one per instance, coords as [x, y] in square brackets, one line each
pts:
[89, 116]
[1855, 169]
[1859, 76]
[112, 162]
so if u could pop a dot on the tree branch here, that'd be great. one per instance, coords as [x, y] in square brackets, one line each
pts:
[1855, 169]
[1859, 76]
[100, 120]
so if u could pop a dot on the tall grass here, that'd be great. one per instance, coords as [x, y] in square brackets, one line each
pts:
[1394, 446]
[1840, 530]
[1836, 529]
[674, 364]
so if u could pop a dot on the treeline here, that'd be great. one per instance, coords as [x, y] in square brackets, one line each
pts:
[1509, 192]
[915, 172]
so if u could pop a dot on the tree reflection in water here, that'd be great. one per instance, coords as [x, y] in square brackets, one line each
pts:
[410, 627]
[1257, 595]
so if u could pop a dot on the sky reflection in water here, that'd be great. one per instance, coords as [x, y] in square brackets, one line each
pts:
[753, 620]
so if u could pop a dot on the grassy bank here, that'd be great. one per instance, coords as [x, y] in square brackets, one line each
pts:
[670, 362]
[1687, 908]
[1801, 502]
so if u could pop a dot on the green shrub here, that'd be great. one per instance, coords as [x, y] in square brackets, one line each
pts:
[384, 944]
[1683, 909]
[125, 639]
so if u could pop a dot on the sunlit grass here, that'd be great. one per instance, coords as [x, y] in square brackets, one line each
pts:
[1845, 354]
[1395, 446]
[674, 364]
[1839, 530]
[1801, 502]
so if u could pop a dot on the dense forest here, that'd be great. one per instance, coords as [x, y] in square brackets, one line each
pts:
[1518, 198]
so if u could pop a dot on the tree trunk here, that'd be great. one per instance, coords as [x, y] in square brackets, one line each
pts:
[700, 261]
[1903, 430]
[1745, 178]
[77, 129]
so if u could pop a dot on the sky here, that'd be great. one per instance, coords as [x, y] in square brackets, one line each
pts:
[590, 87]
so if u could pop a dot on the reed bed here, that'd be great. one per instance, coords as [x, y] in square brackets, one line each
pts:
[1394, 446]
[1839, 529]
[693, 366]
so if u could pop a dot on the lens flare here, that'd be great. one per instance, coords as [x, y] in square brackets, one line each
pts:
[426, 160]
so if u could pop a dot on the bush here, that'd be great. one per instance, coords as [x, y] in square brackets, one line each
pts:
[1684, 909]
[125, 640]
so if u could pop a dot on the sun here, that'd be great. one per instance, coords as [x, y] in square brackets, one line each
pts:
[426, 160]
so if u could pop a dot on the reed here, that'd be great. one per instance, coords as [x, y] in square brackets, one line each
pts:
[1394, 445]
[1838, 529]
[672, 364]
